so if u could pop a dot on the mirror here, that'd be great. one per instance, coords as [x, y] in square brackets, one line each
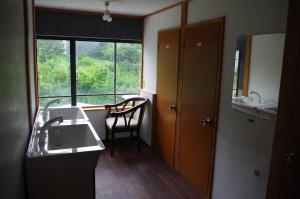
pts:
[257, 71]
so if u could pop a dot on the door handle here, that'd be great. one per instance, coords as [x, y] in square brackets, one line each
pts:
[207, 122]
[289, 156]
[172, 108]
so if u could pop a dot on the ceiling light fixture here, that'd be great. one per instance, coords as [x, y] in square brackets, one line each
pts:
[106, 14]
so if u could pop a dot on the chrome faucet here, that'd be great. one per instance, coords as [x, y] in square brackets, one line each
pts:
[45, 111]
[257, 94]
[42, 136]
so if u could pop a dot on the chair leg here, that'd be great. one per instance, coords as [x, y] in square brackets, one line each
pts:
[138, 140]
[106, 133]
[112, 143]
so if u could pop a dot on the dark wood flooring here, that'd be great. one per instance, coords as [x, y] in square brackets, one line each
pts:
[133, 175]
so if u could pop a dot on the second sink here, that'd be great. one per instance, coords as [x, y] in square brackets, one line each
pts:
[71, 136]
[68, 113]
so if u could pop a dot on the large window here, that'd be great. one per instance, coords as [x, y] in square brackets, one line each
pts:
[235, 75]
[53, 59]
[87, 72]
[128, 68]
[95, 72]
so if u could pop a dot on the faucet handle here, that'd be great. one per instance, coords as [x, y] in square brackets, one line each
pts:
[59, 119]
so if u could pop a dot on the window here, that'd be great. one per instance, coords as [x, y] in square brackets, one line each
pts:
[95, 72]
[127, 69]
[87, 73]
[235, 75]
[53, 59]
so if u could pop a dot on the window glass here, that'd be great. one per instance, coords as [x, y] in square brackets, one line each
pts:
[235, 75]
[128, 68]
[95, 71]
[100, 79]
[64, 101]
[53, 62]
[94, 67]
[95, 100]
[120, 98]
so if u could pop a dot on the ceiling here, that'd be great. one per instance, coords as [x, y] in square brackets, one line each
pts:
[126, 7]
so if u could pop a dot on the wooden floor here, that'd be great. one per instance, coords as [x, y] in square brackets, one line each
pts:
[131, 175]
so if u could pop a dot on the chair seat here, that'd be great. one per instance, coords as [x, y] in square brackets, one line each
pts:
[121, 122]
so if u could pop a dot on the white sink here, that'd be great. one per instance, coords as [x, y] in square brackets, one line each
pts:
[68, 113]
[63, 165]
[246, 102]
[247, 105]
[71, 136]
[270, 109]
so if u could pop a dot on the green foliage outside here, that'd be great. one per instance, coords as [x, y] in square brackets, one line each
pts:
[53, 68]
[235, 79]
[95, 70]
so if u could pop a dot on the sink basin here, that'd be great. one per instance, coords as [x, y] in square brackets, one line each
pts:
[272, 109]
[64, 165]
[246, 102]
[268, 109]
[70, 136]
[68, 113]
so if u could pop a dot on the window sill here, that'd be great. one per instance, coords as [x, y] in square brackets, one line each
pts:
[99, 108]
[93, 108]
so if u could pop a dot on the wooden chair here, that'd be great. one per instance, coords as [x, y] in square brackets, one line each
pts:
[125, 120]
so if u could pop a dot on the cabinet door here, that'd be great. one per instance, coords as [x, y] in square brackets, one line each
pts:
[163, 139]
[202, 55]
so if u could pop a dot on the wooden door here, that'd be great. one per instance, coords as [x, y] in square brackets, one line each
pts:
[201, 65]
[284, 180]
[163, 140]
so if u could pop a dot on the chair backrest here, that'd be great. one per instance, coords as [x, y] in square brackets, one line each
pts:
[139, 113]
[136, 110]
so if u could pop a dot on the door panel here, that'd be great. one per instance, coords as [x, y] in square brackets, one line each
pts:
[199, 100]
[167, 74]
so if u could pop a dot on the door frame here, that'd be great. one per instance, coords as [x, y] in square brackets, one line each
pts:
[220, 20]
[287, 100]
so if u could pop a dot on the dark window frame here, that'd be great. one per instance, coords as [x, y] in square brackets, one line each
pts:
[74, 94]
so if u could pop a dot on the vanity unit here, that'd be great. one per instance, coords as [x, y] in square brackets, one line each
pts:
[61, 159]
[257, 74]
[248, 105]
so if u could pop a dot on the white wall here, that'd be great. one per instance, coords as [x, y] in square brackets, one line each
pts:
[241, 146]
[146, 127]
[14, 131]
[164, 20]
[266, 65]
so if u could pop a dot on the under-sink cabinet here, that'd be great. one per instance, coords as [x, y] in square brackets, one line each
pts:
[61, 161]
